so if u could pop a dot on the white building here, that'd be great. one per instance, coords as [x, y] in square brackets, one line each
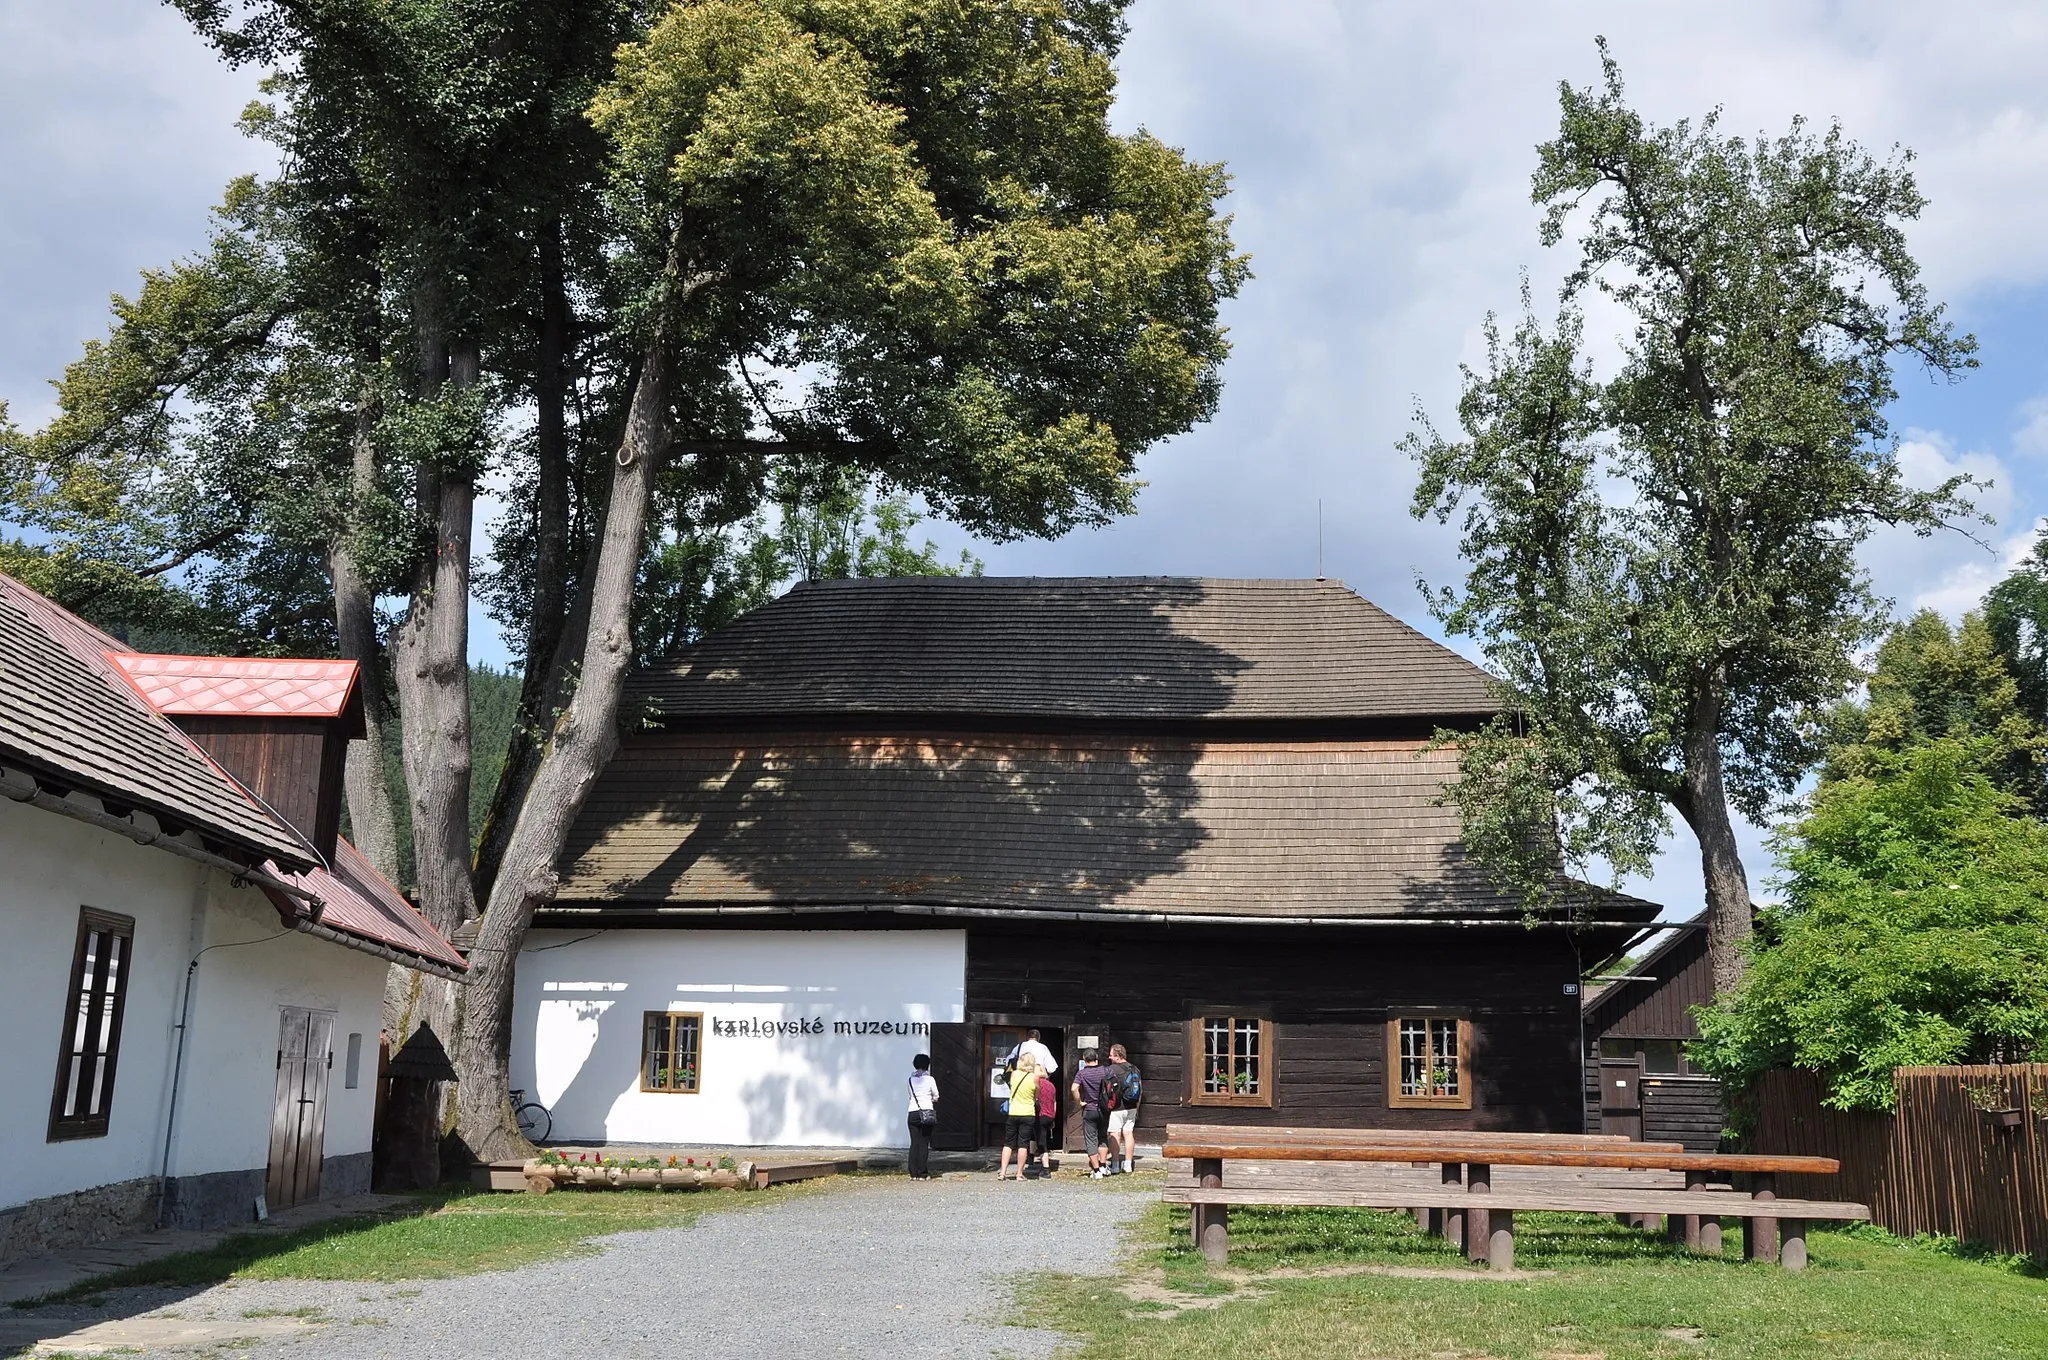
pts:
[195, 963]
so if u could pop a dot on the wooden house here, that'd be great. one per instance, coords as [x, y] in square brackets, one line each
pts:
[1199, 818]
[1638, 1079]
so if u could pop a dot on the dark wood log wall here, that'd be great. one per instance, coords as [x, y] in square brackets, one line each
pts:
[1329, 992]
[293, 764]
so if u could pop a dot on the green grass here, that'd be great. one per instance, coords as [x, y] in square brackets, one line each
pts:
[1315, 1282]
[441, 1233]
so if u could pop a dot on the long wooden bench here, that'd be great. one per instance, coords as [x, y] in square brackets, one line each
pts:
[1482, 1221]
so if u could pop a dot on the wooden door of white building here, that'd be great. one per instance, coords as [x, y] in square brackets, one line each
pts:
[298, 1117]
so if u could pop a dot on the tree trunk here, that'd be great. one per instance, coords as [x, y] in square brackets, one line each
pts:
[430, 660]
[1705, 809]
[545, 637]
[372, 822]
[580, 743]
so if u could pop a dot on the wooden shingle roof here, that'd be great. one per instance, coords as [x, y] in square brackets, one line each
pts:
[1132, 648]
[1174, 826]
[69, 714]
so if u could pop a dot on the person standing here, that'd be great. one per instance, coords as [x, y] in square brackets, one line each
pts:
[1048, 1114]
[1035, 1048]
[1126, 1090]
[1022, 1116]
[1092, 1095]
[923, 1115]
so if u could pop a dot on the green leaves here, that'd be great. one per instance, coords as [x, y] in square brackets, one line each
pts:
[1661, 558]
[1914, 931]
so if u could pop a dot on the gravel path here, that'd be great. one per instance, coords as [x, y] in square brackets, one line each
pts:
[886, 1268]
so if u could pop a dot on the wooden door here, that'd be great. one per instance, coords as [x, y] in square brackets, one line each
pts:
[954, 1067]
[298, 1116]
[1621, 1097]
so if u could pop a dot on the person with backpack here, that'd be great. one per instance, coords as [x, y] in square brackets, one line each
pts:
[1126, 1091]
[1091, 1094]
[924, 1115]
[1048, 1113]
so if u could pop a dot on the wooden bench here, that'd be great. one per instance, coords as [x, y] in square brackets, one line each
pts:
[1482, 1221]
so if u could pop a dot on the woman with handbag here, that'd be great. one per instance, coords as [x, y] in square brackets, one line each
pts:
[924, 1113]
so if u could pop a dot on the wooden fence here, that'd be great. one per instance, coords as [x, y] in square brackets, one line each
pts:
[1965, 1153]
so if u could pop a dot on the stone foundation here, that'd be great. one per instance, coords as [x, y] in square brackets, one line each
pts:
[217, 1199]
[78, 1219]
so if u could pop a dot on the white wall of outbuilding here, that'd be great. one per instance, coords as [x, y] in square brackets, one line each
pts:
[250, 967]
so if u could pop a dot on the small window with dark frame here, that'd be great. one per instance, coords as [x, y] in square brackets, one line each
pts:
[91, 1041]
[1234, 1060]
[1428, 1061]
[669, 1046]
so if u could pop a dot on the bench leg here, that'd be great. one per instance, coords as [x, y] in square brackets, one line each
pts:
[1212, 1221]
[1760, 1235]
[1452, 1221]
[1500, 1239]
[1710, 1237]
[1792, 1243]
[1478, 1228]
[1675, 1228]
[1689, 1224]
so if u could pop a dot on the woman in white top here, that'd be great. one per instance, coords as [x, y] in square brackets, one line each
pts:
[924, 1102]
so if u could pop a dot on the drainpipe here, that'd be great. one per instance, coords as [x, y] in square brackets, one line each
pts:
[163, 1183]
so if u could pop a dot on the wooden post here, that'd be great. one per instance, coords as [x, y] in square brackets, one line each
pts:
[1478, 1232]
[1760, 1235]
[1688, 1225]
[1212, 1221]
[1500, 1239]
[1454, 1219]
[1792, 1244]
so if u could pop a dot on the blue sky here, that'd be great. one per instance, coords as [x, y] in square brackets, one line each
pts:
[1381, 154]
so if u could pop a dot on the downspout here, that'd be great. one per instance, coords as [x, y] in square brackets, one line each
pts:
[163, 1182]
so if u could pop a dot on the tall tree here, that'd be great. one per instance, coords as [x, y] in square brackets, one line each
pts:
[898, 237]
[1662, 562]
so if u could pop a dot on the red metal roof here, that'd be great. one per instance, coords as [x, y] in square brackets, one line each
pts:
[360, 901]
[240, 686]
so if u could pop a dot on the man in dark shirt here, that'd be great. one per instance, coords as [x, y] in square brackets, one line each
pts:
[1091, 1091]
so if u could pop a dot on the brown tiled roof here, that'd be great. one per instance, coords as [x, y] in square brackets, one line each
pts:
[1146, 648]
[1274, 828]
[359, 901]
[68, 713]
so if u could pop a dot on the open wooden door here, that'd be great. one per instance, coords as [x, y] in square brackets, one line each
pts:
[298, 1116]
[956, 1067]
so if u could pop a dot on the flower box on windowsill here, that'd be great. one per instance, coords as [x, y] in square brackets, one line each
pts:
[2003, 1119]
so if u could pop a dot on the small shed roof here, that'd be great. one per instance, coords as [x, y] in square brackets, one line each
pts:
[1667, 982]
[1108, 648]
[241, 686]
[360, 901]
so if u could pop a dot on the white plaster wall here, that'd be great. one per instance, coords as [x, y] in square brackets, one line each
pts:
[249, 972]
[50, 866]
[580, 1000]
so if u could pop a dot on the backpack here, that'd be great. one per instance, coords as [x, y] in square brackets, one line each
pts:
[1125, 1087]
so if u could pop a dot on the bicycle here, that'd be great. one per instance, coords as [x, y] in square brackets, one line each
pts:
[533, 1117]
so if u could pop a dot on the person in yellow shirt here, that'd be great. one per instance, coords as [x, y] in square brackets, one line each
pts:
[1023, 1115]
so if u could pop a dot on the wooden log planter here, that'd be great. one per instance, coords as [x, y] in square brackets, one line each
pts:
[542, 1178]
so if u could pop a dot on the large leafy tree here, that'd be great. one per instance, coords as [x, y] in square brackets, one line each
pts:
[892, 236]
[1662, 561]
[1914, 931]
[2016, 612]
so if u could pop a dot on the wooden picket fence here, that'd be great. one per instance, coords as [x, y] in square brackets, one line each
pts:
[1965, 1153]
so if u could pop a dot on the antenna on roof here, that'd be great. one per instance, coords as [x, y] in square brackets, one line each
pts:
[1319, 538]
